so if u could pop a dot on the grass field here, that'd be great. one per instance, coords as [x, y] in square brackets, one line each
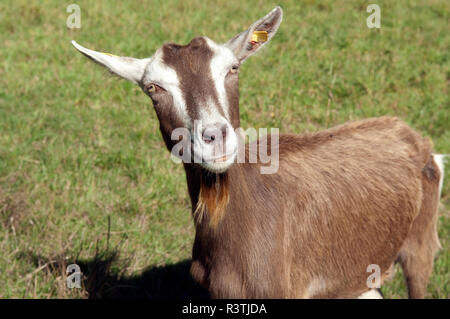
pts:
[84, 175]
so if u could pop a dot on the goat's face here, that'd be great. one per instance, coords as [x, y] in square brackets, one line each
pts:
[195, 88]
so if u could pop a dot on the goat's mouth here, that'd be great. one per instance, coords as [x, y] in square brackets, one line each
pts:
[221, 159]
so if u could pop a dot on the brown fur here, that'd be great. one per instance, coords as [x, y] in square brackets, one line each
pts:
[417, 253]
[358, 194]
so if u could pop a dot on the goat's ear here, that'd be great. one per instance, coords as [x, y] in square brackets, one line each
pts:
[128, 68]
[248, 42]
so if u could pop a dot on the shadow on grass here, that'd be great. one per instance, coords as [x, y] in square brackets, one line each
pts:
[164, 282]
[102, 279]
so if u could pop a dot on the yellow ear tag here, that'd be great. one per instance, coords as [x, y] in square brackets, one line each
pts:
[108, 53]
[259, 36]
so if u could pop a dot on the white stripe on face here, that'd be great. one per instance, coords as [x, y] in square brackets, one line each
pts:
[220, 65]
[159, 73]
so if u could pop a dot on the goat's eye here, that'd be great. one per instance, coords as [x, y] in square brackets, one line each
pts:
[234, 68]
[151, 88]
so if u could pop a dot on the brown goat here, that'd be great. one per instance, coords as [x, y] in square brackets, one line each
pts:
[362, 193]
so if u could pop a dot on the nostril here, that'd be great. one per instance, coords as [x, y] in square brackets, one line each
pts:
[214, 133]
[208, 135]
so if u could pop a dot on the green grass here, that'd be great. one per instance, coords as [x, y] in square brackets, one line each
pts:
[84, 174]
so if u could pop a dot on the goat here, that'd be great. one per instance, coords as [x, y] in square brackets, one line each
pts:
[365, 192]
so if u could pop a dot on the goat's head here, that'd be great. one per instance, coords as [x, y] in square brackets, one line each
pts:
[195, 87]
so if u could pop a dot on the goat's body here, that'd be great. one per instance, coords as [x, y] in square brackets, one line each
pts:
[359, 194]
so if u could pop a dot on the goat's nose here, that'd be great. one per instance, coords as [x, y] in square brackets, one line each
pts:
[213, 133]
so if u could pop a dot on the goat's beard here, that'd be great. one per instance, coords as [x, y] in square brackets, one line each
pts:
[213, 198]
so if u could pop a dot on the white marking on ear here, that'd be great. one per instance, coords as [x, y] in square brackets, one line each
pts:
[241, 44]
[159, 73]
[128, 68]
[221, 64]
